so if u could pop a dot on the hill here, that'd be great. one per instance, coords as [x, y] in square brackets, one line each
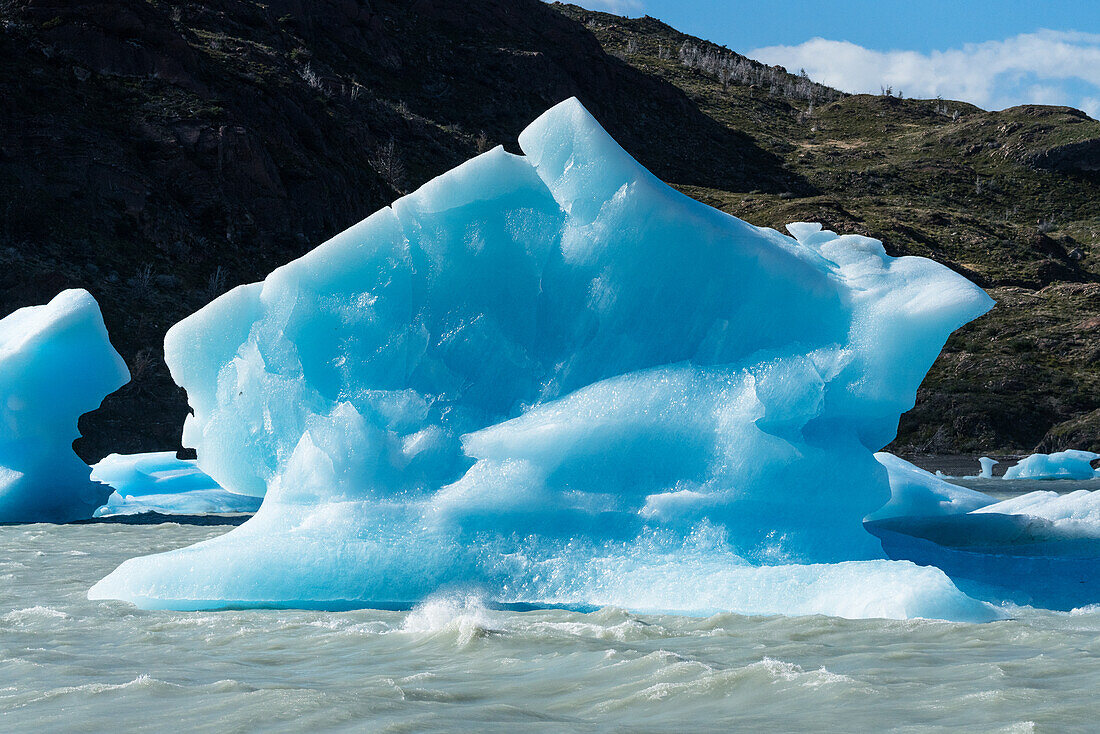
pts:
[1011, 199]
[159, 153]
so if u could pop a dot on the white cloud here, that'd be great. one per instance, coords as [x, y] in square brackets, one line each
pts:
[1049, 67]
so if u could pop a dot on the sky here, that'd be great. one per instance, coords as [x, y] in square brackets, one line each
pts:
[992, 53]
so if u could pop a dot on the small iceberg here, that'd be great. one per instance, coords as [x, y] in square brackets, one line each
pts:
[159, 482]
[56, 363]
[915, 492]
[987, 465]
[1075, 514]
[1041, 548]
[1071, 464]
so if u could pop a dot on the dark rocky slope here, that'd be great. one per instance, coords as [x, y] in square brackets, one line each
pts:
[158, 153]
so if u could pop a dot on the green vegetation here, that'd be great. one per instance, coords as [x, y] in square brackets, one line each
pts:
[159, 153]
[987, 193]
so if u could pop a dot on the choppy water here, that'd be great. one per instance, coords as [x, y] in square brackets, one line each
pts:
[67, 664]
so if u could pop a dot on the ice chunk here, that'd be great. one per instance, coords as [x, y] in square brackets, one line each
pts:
[987, 465]
[518, 374]
[1040, 548]
[915, 493]
[159, 482]
[1075, 513]
[1069, 464]
[1018, 558]
[653, 574]
[56, 363]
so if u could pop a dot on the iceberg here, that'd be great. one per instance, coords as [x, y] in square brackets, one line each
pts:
[1071, 464]
[1040, 548]
[553, 379]
[987, 465]
[159, 482]
[1076, 512]
[916, 493]
[56, 363]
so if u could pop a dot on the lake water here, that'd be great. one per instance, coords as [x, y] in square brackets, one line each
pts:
[68, 664]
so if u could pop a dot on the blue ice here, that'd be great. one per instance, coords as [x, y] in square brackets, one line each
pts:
[987, 465]
[1040, 548]
[1070, 464]
[551, 378]
[56, 363]
[159, 482]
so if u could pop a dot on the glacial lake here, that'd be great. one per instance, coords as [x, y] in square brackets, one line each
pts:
[451, 664]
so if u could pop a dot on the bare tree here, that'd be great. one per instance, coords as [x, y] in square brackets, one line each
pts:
[142, 283]
[387, 163]
[730, 68]
[312, 79]
[215, 285]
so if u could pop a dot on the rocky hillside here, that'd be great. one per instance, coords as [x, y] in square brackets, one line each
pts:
[158, 153]
[1011, 199]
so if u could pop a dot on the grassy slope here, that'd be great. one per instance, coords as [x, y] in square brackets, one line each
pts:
[968, 191]
[162, 151]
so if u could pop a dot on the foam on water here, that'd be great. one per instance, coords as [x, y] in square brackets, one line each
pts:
[465, 618]
[106, 665]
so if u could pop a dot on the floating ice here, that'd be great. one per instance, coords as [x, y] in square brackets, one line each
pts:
[551, 378]
[1071, 464]
[915, 493]
[159, 482]
[1075, 513]
[56, 363]
[987, 465]
[1040, 548]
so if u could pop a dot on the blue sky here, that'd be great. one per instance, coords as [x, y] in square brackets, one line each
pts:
[992, 53]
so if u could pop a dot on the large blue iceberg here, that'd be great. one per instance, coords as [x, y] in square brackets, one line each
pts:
[56, 363]
[556, 380]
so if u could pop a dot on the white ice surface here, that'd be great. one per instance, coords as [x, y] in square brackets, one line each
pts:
[1071, 464]
[1073, 514]
[915, 492]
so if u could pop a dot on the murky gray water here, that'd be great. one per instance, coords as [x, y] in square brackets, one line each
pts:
[67, 664]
